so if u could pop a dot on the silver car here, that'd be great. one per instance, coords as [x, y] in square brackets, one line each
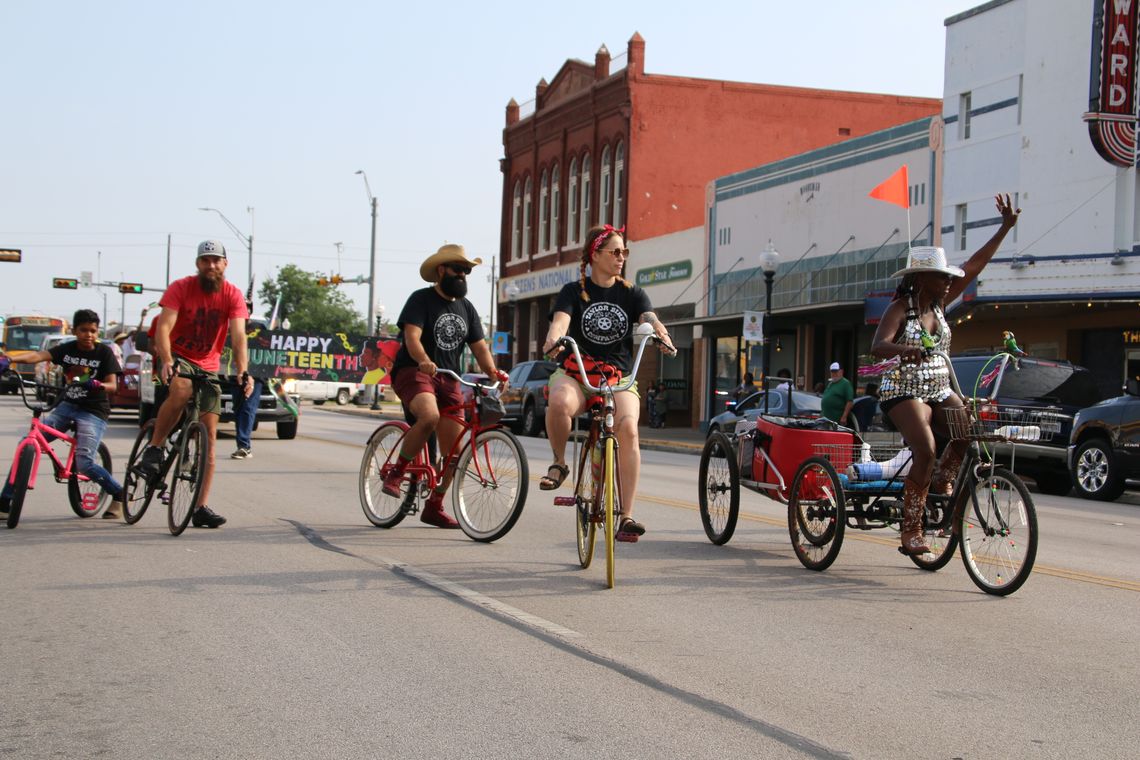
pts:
[804, 404]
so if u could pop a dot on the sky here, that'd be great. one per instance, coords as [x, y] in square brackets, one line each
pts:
[122, 118]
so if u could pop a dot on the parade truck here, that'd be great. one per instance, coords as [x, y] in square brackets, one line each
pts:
[26, 333]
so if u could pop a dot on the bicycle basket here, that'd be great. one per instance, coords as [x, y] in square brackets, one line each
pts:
[1016, 424]
[490, 408]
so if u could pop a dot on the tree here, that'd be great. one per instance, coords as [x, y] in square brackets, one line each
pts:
[310, 307]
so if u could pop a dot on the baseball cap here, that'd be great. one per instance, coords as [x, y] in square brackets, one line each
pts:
[211, 248]
[834, 366]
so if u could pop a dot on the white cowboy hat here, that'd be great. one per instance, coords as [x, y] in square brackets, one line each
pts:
[928, 259]
[446, 254]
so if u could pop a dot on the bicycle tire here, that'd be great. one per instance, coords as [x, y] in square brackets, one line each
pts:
[816, 517]
[610, 507]
[185, 477]
[989, 555]
[134, 504]
[82, 493]
[494, 468]
[382, 510]
[25, 462]
[942, 543]
[718, 489]
[585, 506]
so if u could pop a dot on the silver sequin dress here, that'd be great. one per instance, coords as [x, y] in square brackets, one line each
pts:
[927, 381]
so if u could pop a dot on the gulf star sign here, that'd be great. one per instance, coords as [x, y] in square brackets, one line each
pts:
[1112, 103]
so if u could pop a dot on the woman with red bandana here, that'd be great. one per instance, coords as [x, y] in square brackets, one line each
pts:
[600, 312]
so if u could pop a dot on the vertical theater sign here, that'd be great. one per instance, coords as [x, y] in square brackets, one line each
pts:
[1112, 117]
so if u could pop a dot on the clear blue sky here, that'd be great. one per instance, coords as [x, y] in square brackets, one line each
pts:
[121, 118]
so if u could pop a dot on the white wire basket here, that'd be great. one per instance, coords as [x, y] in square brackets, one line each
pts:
[1014, 424]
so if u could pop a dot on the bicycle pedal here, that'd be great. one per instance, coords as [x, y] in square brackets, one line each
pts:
[627, 538]
[565, 501]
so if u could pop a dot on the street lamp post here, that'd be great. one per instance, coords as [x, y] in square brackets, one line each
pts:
[769, 259]
[248, 240]
[512, 294]
[371, 256]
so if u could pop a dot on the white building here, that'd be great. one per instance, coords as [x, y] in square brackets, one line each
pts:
[1022, 116]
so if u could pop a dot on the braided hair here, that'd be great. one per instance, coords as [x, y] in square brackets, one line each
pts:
[596, 237]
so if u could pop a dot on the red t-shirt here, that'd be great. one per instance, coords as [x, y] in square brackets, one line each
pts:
[203, 319]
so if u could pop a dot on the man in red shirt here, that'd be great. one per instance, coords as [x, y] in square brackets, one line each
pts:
[189, 335]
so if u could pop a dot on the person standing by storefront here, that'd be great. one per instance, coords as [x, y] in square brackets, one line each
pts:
[837, 396]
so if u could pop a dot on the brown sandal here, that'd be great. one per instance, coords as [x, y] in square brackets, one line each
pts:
[549, 483]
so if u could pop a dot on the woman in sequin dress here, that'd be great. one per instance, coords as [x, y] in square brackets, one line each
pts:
[914, 393]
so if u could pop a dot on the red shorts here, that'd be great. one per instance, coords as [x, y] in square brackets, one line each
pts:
[409, 382]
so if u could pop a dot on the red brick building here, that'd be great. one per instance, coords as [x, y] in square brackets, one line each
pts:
[627, 147]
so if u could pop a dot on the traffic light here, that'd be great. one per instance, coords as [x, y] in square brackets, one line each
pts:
[336, 279]
[66, 283]
[130, 287]
[323, 281]
[10, 254]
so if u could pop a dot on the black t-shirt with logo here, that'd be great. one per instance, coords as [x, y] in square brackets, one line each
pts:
[447, 327]
[604, 325]
[79, 367]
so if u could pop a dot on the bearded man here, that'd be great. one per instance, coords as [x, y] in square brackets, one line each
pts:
[188, 340]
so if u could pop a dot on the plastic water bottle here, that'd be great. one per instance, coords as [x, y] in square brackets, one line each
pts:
[865, 453]
[1019, 432]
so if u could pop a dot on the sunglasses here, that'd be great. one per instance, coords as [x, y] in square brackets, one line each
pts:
[459, 268]
[617, 253]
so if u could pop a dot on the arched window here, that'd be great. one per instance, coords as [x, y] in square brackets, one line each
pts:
[528, 211]
[555, 205]
[544, 213]
[572, 200]
[606, 189]
[516, 222]
[619, 182]
[584, 191]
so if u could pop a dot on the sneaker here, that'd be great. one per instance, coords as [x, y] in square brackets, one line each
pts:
[392, 482]
[241, 454]
[115, 511]
[204, 517]
[150, 462]
[434, 513]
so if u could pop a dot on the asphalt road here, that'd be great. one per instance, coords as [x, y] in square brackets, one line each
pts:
[299, 630]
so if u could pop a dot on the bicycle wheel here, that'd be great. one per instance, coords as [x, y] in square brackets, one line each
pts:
[489, 488]
[816, 514]
[942, 541]
[999, 532]
[137, 494]
[718, 488]
[585, 505]
[25, 462]
[186, 476]
[86, 496]
[610, 506]
[383, 447]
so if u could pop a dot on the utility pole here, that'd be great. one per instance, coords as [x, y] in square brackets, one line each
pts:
[168, 258]
[371, 258]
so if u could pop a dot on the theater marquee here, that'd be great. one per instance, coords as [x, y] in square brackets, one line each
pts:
[1112, 89]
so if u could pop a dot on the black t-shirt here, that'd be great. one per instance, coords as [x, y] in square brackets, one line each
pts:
[79, 367]
[447, 326]
[604, 325]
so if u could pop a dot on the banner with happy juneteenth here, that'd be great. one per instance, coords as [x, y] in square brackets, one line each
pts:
[337, 357]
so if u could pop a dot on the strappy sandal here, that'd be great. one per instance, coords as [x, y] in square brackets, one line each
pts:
[548, 483]
[630, 527]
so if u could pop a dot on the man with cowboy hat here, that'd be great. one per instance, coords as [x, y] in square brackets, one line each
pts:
[435, 324]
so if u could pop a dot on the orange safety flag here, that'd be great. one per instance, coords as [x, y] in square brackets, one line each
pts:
[895, 190]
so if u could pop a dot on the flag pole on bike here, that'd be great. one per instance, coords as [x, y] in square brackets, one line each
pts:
[435, 324]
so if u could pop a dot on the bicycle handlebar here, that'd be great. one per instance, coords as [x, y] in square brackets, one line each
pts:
[58, 395]
[631, 378]
[468, 383]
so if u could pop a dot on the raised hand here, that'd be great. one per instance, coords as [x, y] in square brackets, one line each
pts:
[1005, 207]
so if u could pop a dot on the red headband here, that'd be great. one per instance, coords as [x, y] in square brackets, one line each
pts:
[607, 230]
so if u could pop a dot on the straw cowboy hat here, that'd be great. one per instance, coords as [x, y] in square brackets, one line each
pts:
[928, 259]
[447, 254]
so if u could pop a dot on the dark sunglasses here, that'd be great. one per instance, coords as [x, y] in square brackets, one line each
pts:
[459, 268]
[617, 252]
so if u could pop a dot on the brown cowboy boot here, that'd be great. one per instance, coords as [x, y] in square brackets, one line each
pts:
[914, 504]
[946, 471]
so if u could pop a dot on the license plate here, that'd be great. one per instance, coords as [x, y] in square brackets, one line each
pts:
[227, 407]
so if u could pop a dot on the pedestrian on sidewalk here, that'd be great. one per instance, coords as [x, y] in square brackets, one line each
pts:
[662, 405]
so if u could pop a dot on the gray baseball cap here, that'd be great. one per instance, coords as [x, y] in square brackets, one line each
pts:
[211, 248]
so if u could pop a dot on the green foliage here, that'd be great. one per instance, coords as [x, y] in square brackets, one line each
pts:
[310, 307]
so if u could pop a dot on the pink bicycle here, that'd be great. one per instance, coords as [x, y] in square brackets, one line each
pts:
[87, 497]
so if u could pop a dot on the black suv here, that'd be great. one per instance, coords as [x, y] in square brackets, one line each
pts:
[1040, 392]
[1104, 448]
[525, 398]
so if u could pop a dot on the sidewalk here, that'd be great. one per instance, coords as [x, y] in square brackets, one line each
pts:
[680, 440]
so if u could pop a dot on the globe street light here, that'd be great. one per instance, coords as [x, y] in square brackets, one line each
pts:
[233, 228]
[769, 260]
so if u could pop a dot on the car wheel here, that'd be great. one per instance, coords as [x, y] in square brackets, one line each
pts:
[287, 430]
[713, 430]
[1053, 483]
[146, 411]
[1096, 474]
[342, 396]
[530, 420]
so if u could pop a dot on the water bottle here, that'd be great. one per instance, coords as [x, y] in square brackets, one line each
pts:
[865, 453]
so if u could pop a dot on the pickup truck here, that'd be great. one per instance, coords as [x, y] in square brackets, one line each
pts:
[1104, 447]
[319, 391]
[525, 399]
